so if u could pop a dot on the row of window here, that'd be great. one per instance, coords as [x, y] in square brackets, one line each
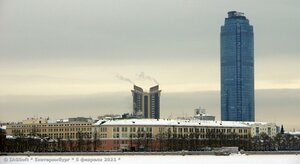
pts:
[132, 135]
[132, 129]
[121, 142]
[49, 125]
[49, 130]
[202, 130]
[66, 135]
[149, 136]
[101, 135]
[103, 129]
[69, 135]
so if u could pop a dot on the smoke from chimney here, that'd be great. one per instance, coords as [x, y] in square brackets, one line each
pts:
[124, 79]
[146, 77]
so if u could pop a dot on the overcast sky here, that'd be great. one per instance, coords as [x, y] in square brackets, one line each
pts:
[55, 49]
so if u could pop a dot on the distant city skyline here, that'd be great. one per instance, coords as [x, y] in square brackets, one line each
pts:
[55, 54]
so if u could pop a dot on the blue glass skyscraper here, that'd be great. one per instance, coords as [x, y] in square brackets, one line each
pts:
[237, 69]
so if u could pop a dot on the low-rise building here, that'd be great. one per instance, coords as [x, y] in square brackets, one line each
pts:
[263, 127]
[65, 129]
[139, 134]
[134, 134]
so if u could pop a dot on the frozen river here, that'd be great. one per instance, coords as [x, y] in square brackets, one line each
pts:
[154, 159]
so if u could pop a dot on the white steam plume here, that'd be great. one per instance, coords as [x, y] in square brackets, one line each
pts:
[146, 77]
[124, 79]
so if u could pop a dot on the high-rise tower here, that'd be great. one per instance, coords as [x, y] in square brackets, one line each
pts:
[146, 104]
[237, 69]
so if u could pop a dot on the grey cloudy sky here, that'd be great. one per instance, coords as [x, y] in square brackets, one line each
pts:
[56, 48]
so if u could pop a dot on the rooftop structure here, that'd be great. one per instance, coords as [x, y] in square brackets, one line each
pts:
[81, 119]
[72, 120]
[35, 120]
[109, 116]
[201, 114]
[235, 14]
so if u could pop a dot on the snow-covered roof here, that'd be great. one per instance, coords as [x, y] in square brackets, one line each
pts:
[294, 133]
[203, 114]
[62, 120]
[3, 127]
[168, 122]
[10, 137]
[258, 123]
[58, 121]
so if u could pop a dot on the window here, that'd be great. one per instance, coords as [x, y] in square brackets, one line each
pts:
[124, 129]
[174, 130]
[124, 135]
[149, 129]
[116, 129]
[161, 129]
[116, 135]
[185, 130]
[180, 130]
[202, 130]
[132, 129]
[257, 130]
[269, 130]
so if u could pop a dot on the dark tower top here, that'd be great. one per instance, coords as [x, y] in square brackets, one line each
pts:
[235, 14]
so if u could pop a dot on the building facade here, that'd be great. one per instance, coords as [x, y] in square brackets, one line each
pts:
[69, 129]
[146, 104]
[141, 134]
[237, 69]
[148, 134]
[257, 128]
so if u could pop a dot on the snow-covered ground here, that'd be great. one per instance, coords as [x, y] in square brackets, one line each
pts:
[155, 159]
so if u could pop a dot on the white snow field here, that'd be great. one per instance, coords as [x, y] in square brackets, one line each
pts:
[154, 159]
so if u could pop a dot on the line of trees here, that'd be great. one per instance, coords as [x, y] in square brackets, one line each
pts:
[162, 142]
[262, 142]
[192, 142]
[32, 143]
[166, 141]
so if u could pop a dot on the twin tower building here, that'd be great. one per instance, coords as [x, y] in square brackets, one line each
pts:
[146, 104]
[237, 75]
